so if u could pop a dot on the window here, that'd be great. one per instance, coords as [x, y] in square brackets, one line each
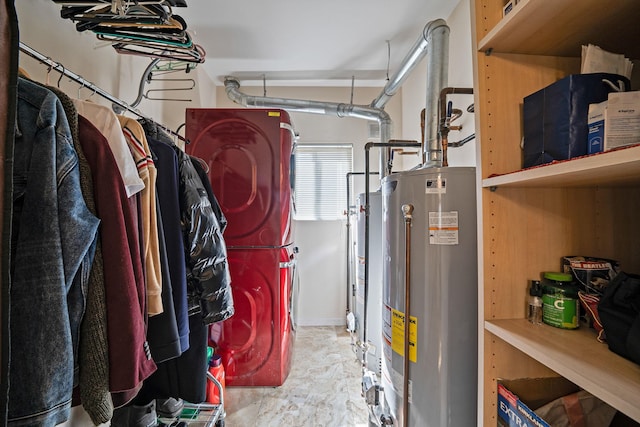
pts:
[321, 180]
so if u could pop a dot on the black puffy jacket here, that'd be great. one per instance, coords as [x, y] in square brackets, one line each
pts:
[208, 279]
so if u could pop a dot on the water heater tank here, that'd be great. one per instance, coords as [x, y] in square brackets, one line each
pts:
[438, 240]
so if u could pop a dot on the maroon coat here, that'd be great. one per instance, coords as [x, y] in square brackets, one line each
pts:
[130, 362]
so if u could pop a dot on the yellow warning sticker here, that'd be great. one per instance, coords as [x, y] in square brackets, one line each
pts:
[397, 334]
[273, 113]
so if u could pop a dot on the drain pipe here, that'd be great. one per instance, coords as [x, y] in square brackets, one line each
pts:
[232, 87]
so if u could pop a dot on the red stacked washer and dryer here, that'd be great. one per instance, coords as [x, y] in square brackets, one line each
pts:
[249, 153]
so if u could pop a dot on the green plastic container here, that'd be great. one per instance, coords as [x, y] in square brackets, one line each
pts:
[560, 304]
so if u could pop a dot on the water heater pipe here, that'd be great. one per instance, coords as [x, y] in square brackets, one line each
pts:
[407, 213]
[413, 57]
[437, 37]
[348, 213]
[445, 119]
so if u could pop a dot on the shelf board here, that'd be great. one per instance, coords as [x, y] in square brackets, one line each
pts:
[579, 357]
[618, 167]
[531, 26]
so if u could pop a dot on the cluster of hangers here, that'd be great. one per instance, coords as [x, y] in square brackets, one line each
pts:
[117, 104]
[136, 27]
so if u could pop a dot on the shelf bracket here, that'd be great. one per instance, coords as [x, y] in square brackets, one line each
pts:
[493, 188]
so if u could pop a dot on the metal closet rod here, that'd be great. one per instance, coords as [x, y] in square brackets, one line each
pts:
[87, 84]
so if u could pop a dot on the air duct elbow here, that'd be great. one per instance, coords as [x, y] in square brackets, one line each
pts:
[432, 26]
[413, 57]
[232, 88]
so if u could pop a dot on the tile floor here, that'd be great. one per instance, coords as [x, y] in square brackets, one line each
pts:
[322, 390]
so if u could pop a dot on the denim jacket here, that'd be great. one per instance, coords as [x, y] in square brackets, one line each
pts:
[53, 243]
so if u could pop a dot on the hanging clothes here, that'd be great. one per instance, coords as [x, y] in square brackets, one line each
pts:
[185, 377]
[93, 360]
[208, 278]
[130, 362]
[53, 244]
[8, 112]
[106, 121]
[162, 331]
[219, 303]
[209, 281]
[135, 137]
[166, 162]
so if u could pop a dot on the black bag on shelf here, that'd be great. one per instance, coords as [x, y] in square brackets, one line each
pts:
[555, 117]
[619, 310]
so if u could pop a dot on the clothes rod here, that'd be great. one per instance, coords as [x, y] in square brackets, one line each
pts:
[90, 86]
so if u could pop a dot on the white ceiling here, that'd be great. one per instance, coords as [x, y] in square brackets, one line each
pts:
[311, 43]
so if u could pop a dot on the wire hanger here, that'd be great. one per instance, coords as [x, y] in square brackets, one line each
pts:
[61, 75]
[80, 80]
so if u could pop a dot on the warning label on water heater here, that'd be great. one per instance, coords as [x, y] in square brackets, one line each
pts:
[397, 334]
[443, 228]
[436, 186]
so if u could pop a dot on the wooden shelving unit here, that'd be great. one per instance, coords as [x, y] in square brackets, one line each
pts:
[612, 168]
[530, 219]
[612, 379]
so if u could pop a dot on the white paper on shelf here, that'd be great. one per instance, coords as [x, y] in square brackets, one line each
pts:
[598, 60]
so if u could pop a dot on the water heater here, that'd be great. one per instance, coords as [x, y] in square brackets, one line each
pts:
[429, 235]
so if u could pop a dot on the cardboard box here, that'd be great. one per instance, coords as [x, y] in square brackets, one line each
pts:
[622, 120]
[517, 400]
[517, 397]
[595, 122]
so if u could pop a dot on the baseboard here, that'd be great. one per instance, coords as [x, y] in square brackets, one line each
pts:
[338, 321]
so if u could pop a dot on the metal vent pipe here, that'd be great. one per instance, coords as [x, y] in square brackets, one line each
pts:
[232, 87]
[413, 57]
[435, 32]
[437, 38]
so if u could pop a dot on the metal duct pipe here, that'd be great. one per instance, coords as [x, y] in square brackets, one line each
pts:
[437, 36]
[413, 57]
[433, 42]
[232, 88]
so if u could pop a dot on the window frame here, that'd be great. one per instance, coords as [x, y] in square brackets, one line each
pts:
[318, 210]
